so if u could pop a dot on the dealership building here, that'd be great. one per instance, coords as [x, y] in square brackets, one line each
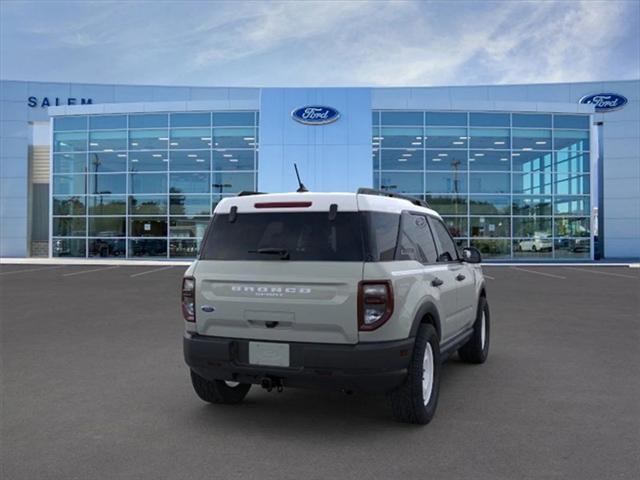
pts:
[540, 172]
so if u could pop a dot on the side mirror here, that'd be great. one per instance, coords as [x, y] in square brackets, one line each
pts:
[471, 255]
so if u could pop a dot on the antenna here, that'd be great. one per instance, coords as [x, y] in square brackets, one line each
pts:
[301, 187]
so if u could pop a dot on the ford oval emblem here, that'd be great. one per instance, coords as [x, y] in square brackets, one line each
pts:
[315, 115]
[207, 308]
[605, 102]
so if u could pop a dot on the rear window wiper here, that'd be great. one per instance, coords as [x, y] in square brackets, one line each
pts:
[283, 252]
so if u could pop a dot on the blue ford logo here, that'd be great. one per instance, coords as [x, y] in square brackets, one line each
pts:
[605, 102]
[315, 115]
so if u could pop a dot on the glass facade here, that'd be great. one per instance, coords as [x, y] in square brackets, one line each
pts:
[144, 185]
[514, 185]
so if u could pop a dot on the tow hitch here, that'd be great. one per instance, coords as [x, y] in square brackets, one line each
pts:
[269, 383]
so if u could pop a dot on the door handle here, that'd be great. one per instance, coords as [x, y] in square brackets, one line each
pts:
[436, 282]
[460, 277]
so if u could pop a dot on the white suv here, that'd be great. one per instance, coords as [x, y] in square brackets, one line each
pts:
[356, 292]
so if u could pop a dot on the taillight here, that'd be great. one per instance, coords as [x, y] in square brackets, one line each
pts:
[375, 303]
[189, 299]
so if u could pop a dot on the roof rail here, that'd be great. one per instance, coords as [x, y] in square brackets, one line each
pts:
[246, 193]
[382, 193]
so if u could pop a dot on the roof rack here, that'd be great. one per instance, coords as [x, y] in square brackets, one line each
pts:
[382, 193]
[246, 193]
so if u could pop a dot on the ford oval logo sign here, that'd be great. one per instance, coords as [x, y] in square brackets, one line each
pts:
[605, 102]
[315, 115]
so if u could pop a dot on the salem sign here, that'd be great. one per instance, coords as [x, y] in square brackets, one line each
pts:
[45, 102]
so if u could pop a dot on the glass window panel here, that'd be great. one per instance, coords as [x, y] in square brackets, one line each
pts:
[573, 140]
[215, 200]
[571, 121]
[68, 247]
[107, 184]
[572, 205]
[441, 137]
[70, 142]
[69, 123]
[148, 183]
[190, 138]
[107, 247]
[190, 119]
[101, 162]
[450, 119]
[531, 120]
[401, 182]
[232, 182]
[490, 227]
[375, 118]
[107, 205]
[572, 248]
[529, 227]
[572, 227]
[490, 138]
[489, 182]
[148, 120]
[69, 184]
[190, 183]
[446, 182]
[571, 161]
[188, 226]
[148, 248]
[401, 159]
[148, 205]
[567, 184]
[69, 162]
[533, 247]
[531, 206]
[233, 160]
[489, 119]
[148, 226]
[107, 227]
[445, 159]
[402, 118]
[233, 119]
[107, 122]
[69, 205]
[376, 179]
[492, 248]
[401, 137]
[148, 139]
[457, 226]
[534, 183]
[105, 141]
[483, 160]
[531, 161]
[189, 205]
[531, 139]
[448, 204]
[148, 161]
[184, 248]
[69, 226]
[190, 160]
[234, 138]
[490, 204]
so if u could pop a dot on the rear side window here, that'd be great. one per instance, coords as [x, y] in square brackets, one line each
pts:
[308, 236]
[415, 241]
[446, 247]
[381, 235]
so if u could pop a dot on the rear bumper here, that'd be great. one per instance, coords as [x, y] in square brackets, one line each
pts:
[370, 367]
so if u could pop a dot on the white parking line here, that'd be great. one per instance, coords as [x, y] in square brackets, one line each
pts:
[150, 271]
[89, 271]
[31, 270]
[594, 270]
[540, 273]
[488, 276]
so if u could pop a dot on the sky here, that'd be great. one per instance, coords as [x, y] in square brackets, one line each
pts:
[329, 43]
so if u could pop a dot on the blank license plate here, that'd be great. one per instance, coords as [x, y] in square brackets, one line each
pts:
[274, 354]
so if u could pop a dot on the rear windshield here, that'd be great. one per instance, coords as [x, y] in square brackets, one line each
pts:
[306, 236]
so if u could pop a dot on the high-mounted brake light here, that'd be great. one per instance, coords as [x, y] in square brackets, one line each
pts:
[189, 299]
[375, 304]
[282, 204]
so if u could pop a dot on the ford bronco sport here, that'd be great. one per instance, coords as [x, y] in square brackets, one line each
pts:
[356, 292]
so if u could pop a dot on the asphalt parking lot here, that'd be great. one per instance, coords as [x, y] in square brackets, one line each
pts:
[94, 387]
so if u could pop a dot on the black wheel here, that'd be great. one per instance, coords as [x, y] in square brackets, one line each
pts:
[476, 349]
[415, 401]
[534, 248]
[219, 391]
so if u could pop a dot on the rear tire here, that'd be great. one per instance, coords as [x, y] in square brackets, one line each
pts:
[219, 391]
[476, 350]
[415, 401]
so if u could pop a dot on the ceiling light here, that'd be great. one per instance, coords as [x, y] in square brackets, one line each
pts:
[479, 154]
[248, 139]
[526, 149]
[464, 138]
[458, 143]
[541, 142]
[134, 144]
[418, 138]
[93, 144]
[227, 155]
[407, 154]
[206, 139]
[436, 159]
[134, 160]
[157, 155]
[498, 143]
[515, 154]
[165, 159]
[164, 139]
[233, 160]
[376, 138]
[122, 155]
[416, 143]
[412, 149]
[192, 155]
[402, 159]
[173, 144]
[199, 160]
[472, 159]
[108, 150]
[443, 154]
[504, 159]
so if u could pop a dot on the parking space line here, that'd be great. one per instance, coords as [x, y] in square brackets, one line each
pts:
[488, 276]
[150, 271]
[593, 270]
[540, 273]
[32, 270]
[89, 271]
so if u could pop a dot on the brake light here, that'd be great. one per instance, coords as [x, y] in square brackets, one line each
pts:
[189, 299]
[375, 304]
[282, 204]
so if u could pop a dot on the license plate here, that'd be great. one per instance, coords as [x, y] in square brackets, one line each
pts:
[266, 353]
